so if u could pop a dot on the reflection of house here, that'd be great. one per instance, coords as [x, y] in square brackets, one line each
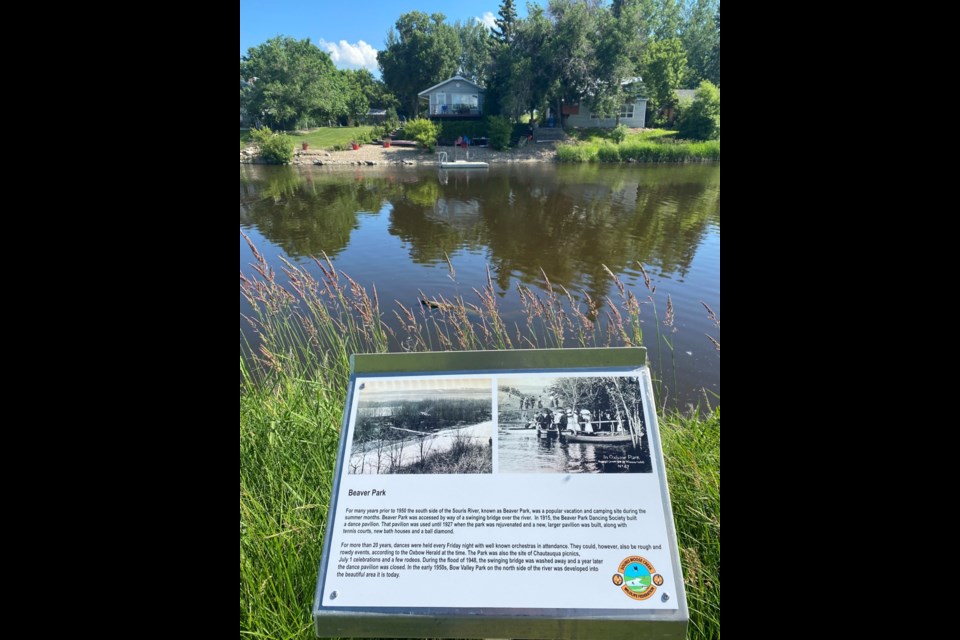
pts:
[632, 114]
[454, 98]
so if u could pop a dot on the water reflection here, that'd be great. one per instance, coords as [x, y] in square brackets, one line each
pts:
[396, 227]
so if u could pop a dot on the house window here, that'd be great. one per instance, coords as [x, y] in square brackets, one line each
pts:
[626, 111]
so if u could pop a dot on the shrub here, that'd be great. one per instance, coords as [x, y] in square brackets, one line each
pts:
[275, 148]
[423, 131]
[500, 129]
[619, 133]
[452, 130]
[701, 120]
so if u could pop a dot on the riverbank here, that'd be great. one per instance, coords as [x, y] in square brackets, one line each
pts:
[375, 154]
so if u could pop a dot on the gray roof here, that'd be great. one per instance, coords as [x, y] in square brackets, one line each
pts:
[457, 78]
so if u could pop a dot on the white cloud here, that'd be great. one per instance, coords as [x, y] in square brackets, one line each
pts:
[351, 56]
[488, 20]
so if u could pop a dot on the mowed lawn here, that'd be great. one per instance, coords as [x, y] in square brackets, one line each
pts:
[324, 137]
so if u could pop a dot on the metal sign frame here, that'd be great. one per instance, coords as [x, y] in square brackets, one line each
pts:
[446, 622]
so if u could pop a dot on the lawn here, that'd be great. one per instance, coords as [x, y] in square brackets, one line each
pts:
[324, 137]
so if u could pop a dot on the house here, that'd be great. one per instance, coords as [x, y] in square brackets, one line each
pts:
[632, 114]
[454, 98]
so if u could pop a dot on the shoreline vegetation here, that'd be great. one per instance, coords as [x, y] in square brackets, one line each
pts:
[331, 147]
[293, 384]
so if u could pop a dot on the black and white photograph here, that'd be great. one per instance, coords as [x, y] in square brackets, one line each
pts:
[570, 424]
[426, 425]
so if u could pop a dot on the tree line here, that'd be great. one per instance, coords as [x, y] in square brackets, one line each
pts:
[566, 51]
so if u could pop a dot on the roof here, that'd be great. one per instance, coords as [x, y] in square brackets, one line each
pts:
[457, 78]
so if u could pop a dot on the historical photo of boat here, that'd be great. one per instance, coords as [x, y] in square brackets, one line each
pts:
[571, 424]
[434, 424]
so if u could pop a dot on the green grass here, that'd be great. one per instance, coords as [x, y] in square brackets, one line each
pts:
[651, 145]
[292, 394]
[324, 137]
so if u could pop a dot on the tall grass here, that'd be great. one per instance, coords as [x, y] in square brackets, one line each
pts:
[292, 392]
[639, 150]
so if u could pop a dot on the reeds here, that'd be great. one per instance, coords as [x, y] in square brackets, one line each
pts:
[639, 150]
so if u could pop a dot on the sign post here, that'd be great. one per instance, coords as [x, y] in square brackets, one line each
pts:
[501, 494]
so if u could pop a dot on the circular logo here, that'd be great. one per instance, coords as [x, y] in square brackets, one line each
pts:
[637, 578]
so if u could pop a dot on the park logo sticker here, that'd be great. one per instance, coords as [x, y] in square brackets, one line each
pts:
[637, 578]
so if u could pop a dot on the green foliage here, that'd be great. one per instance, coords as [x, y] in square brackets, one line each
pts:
[701, 37]
[421, 52]
[423, 131]
[291, 82]
[637, 149]
[475, 50]
[701, 120]
[275, 148]
[505, 21]
[472, 128]
[619, 133]
[665, 72]
[500, 129]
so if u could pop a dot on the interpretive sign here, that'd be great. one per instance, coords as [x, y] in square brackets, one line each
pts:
[501, 494]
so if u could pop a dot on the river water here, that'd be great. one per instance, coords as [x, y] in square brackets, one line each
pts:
[395, 227]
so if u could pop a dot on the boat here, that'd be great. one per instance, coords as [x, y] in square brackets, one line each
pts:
[599, 438]
[459, 164]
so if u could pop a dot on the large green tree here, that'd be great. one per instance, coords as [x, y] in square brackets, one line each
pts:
[505, 22]
[475, 50]
[700, 35]
[620, 41]
[666, 68]
[421, 51]
[292, 82]
[376, 92]
[573, 46]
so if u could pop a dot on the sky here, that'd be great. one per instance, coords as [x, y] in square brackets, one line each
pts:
[351, 32]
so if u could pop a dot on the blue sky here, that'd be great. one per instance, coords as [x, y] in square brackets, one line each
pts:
[351, 32]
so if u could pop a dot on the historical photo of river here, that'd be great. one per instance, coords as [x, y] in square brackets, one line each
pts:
[569, 424]
[426, 425]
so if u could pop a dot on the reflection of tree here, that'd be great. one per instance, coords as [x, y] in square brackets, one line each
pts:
[306, 214]
[569, 221]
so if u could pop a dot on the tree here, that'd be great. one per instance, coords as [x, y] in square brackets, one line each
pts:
[376, 92]
[475, 47]
[667, 19]
[618, 49]
[699, 36]
[713, 64]
[507, 18]
[356, 104]
[295, 82]
[666, 66]
[573, 46]
[421, 52]
[701, 120]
